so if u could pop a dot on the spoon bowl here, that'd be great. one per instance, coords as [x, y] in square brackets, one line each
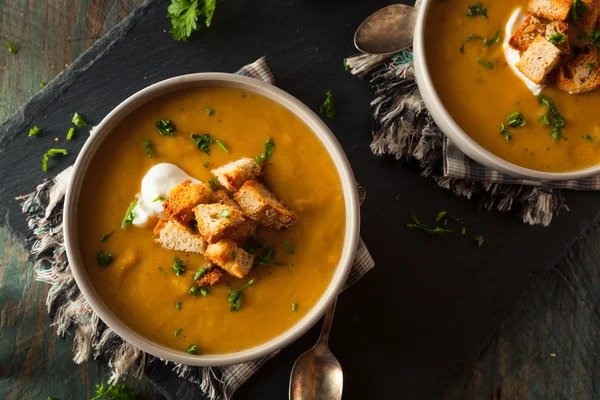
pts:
[387, 31]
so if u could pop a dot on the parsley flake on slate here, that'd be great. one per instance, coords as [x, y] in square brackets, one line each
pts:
[236, 296]
[397, 198]
[159, 198]
[328, 107]
[70, 133]
[34, 131]
[50, 153]
[346, 64]
[178, 331]
[425, 228]
[557, 39]
[163, 273]
[477, 10]
[210, 111]
[178, 266]
[588, 138]
[479, 241]
[42, 85]
[288, 247]
[165, 127]
[294, 307]
[198, 274]
[192, 349]
[114, 392]
[463, 230]
[12, 48]
[105, 237]
[578, 9]
[184, 16]
[269, 147]
[203, 142]
[129, 215]
[516, 119]
[148, 147]
[178, 306]
[104, 259]
[78, 120]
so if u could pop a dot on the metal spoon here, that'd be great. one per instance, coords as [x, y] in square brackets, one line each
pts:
[387, 31]
[317, 374]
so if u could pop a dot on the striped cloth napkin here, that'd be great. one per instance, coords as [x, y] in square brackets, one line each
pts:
[72, 314]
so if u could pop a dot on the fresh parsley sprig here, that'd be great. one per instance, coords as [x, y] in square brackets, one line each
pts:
[184, 16]
[51, 153]
[329, 107]
[165, 127]
[129, 215]
[236, 296]
[269, 147]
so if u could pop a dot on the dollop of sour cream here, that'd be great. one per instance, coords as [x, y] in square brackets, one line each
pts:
[158, 182]
[512, 55]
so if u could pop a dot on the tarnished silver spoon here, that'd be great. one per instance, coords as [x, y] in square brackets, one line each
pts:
[317, 374]
[387, 31]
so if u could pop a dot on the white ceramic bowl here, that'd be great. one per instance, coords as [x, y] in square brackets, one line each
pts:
[207, 80]
[454, 132]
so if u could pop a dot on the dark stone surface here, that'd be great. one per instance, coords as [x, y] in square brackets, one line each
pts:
[410, 322]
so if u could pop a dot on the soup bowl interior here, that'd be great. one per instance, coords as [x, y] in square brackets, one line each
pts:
[201, 80]
[454, 132]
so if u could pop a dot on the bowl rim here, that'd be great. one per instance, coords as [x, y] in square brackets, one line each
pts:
[212, 79]
[454, 132]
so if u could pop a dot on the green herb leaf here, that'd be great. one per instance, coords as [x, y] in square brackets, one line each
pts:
[192, 349]
[479, 241]
[165, 127]
[419, 226]
[42, 85]
[252, 244]
[178, 331]
[463, 230]
[129, 215]
[269, 147]
[516, 119]
[294, 307]
[203, 142]
[591, 66]
[159, 198]
[595, 37]
[193, 290]
[346, 64]
[578, 9]
[557, 38]
[178, 305]
[12, 48]
[148, 146]
[178, 266]
[105, 237]
[441, 215]
[224, 213]
[485, 63]
[494, 40]
[233, 255]
[588, 138]
[397, 198]
[205, 164]
[184, 15]
[477, 10]
[203, 291]
[104, 259]
[163, 273]
[214, 185]
[34, 131]
[70, 133]
[328, 107]
[51, 153]
[114, 392]
[544, 120]
[78, 120]
[198, 274]
[559, 121]
[267, 258]
[288, 247]
[504, 132]
[236, 296]
[210, 111]
[222, 146]
[468, 39]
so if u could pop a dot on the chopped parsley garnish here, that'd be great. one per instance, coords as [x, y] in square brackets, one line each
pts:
[159, 198]
[42, 85]
[267, 258]
[34, 131]
[50, 153]
[178, 305]
[557, 38]
[178, 266]
[210, 111]
[559, 121]
[252, 244]
[192, 349]
[178, 331]
[78, 120]
[70, 133]
[165, 127]
[222, 146]
[588, 138]
[591, 66]
[420, 226]
[346, 64]
[163, 273]
[203, 291]
[578, 9]
[105, 237]
[224, 213]
[198, 274]
[148, 146]
[443, 215]
[193, 290]
[328, 107]
[184, 15]
[104, 259]
[12, 48]
[494, 40]
[504, 132]
[397, 198]
[595, 37]
[269, 147]
[479, 241]
[463, 230]
[516, 119]
[129, 215]
[294, 307]
[468, 39]
[114, 392]
[288, 247]
[236, 296]
[213, 184]
[544, 120]
[485, 63]
[233, 255]
[477, 10]
[203, 142]
[205, 165]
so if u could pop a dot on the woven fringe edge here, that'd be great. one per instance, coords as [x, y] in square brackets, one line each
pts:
[403, 128]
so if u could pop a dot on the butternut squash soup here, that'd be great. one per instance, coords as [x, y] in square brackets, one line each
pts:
[520, 78]
[211, 220]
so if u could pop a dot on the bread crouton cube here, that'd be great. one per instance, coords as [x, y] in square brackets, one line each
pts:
[233, 175]
[216, 221]
[555, 10]
[173, 235]
[557, 32]
[231, 258]
[539, 60]
[246, 228]
[526, 33]
[183, 198]
[581, 74]
[221, 197]
[262, 206]
[210, 277]
[589, 19]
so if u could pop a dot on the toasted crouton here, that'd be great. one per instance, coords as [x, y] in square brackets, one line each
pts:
[559, 28]
[556, 10]
[589, 19]
[210, 277]
[540, 58]
[581, 74]
[173, 235]
[262, 206]
[242, 231]
[231, 258]
[526, 33]
[216, 221]
[183, 198]
[233, 175]
[221, 197]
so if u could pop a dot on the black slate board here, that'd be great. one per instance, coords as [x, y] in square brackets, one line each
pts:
[409, 323]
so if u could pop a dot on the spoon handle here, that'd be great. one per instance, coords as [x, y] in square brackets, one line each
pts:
[326, 328]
